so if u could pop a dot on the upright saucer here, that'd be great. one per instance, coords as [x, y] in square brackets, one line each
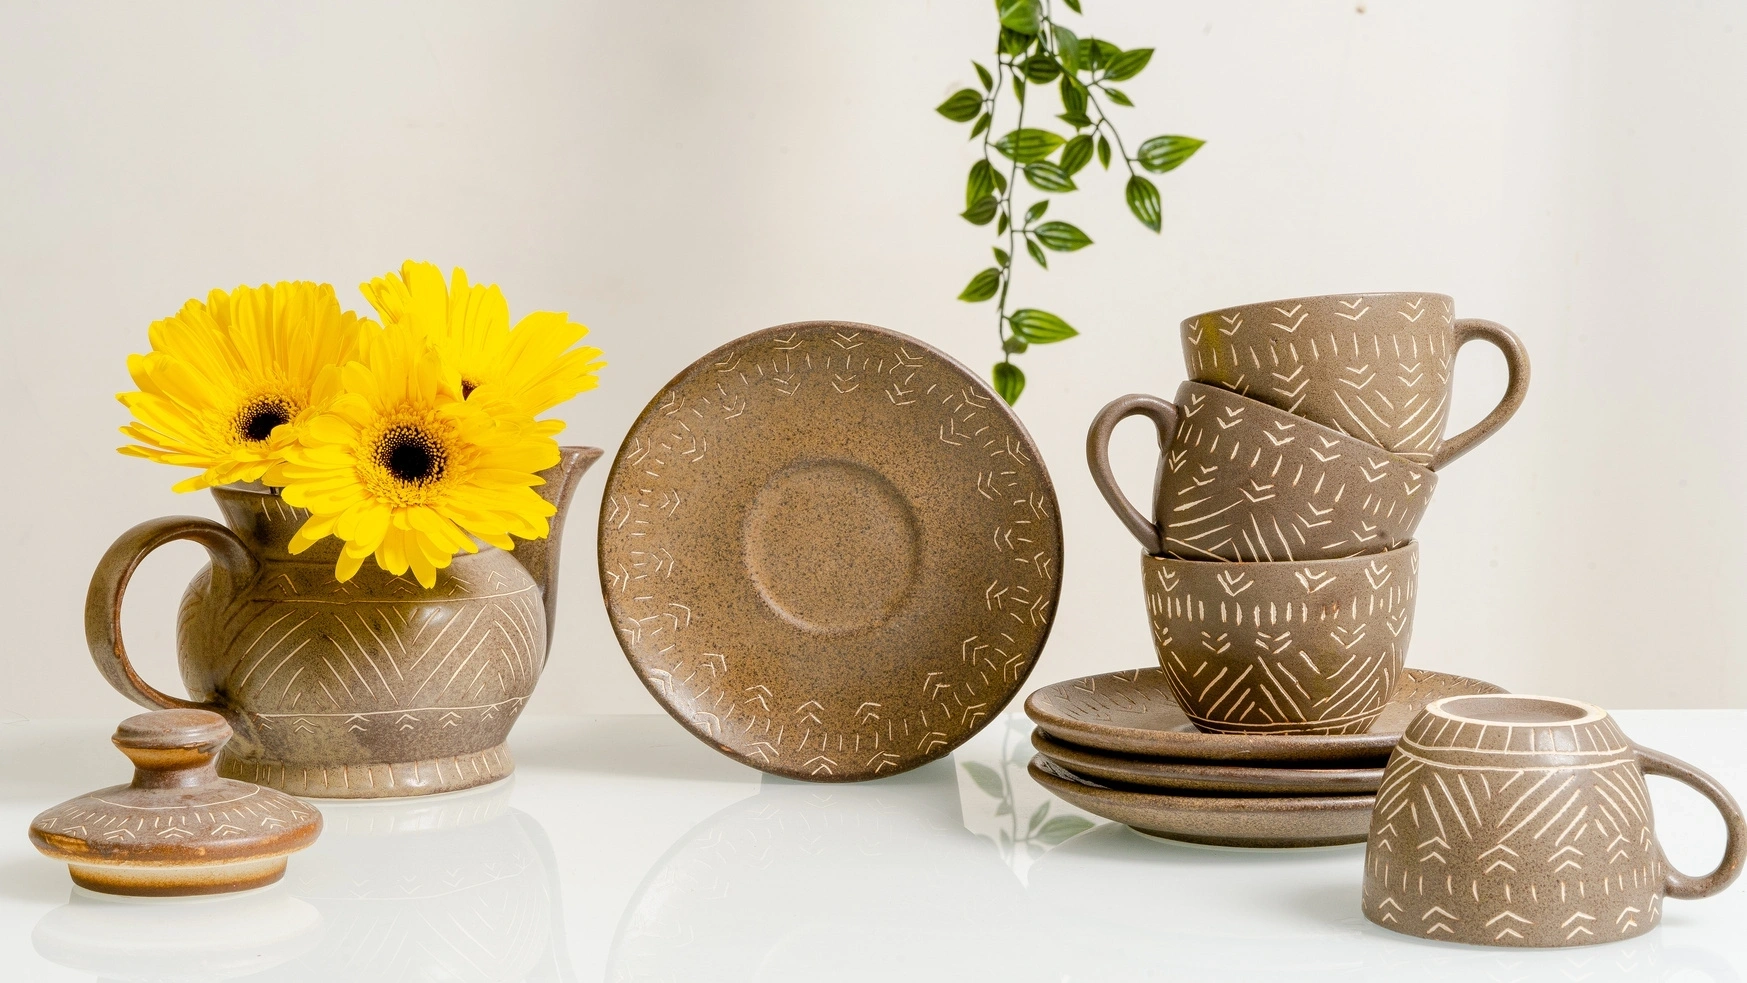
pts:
[1270, 821]
[1133, 712]
[830, 551]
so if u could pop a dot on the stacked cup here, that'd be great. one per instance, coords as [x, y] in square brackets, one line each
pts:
[1280, 568]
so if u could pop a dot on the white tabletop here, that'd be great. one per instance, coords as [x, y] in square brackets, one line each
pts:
[623, 849]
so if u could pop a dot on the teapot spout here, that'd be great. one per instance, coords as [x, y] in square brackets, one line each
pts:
[541, 556]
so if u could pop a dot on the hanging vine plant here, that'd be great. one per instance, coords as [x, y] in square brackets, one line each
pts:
[1033, 50]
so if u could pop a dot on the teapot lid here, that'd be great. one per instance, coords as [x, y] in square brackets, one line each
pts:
[177, 828]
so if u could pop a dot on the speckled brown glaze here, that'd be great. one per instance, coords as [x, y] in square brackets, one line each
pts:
[830, 551]
[1135, 712]
[1222, 820]
[374, 687]
[1377, 366]
[1244, 481]
[1283, 648]
[1201, 776]
[1524, 821]
[177, 828]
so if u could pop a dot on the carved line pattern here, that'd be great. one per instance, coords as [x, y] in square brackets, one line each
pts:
[1387, 399]
[1567, 854]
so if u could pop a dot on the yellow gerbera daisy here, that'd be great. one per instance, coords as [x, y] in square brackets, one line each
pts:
[532, 367]
[400, 466]
[225, 378]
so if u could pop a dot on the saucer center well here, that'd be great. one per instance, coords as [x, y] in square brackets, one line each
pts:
[832, 546]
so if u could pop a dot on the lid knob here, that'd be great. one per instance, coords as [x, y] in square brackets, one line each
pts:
[172, 748]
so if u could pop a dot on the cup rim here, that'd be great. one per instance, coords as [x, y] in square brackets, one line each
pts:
[1189, 322]
[1327, 432]
[1582, 713]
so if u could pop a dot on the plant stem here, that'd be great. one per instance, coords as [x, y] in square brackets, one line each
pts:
[1007, 65]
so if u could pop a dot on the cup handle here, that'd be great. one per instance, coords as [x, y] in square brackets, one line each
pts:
[230, 560]
[1516, 388]
[1679, 885]
[1164, 417]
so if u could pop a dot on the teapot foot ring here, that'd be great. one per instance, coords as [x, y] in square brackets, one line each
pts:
[373, 780]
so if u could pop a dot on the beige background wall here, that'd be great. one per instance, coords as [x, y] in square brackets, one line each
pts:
[677, 173]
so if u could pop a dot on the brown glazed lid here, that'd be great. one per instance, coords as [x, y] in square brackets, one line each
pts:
[177, 828]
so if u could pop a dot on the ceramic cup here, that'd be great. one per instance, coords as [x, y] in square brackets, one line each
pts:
[1283, 648]
[1241, 480]
[1524, 821]
[1376, 366]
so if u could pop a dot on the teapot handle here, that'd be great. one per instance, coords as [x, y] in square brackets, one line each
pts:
[1681, 885]
[230, 559]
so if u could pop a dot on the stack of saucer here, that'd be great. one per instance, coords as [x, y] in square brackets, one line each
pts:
[1119, 746]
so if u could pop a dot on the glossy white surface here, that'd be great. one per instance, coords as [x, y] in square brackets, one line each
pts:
[625, 850]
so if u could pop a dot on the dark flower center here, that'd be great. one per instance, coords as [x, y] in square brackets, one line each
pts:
[467, 387]
[411, 455]
[256, 421]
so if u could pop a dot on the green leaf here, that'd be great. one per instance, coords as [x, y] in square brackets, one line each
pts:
[981, 288]
[1036, 252]
[1013, 43]
[1099, 54]
[1078, 121]
[962, 106]
[1019, 90]
[1009, 383]
[987, 779]
[1073, 95]
[1062, 827]
[1067, 47]
[1018, 16]
[1039, 327]
[1073, 5]
[1000, 183]
[982, 124]
[1014, 346]
[980, 183]
[1117, 96]
[984, 76]
[1143, 201]
[1027, 145]
[1036, 211]
[1001, 256]
[1128, 64]
[1037, 817]
[981, 210]
[1161, 154]
[1041, 69]
[1077, 153]
[1045, 176]
[1062, 237]
[1001, 224]
[1104, 151]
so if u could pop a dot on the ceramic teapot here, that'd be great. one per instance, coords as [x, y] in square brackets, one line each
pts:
[370, 688]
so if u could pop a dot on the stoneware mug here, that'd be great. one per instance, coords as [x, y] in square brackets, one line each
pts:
[1376, 366]
[1244, 481]
[1524, 821]
[1283, 648]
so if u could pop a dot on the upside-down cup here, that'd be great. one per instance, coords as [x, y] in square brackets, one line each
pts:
[1310, 647]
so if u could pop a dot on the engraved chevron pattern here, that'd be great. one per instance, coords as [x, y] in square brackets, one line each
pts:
[1376, 367]
[1311, 647]
[1477, 838]
[372, 687]
[1244, 481]
[682, 583]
